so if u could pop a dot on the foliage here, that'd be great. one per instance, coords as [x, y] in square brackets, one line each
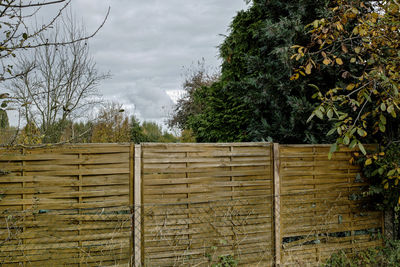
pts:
[226, 261]
[8, 135]
[30, 135]
[187, 136]
[254, 99]
[382, 170]
[136, 132]
[386, 256]
[111, 126]
[360, 40]
[195, 78]
[154, 133]
[3, 119]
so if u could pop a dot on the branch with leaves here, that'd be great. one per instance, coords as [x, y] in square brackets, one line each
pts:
[360, 41]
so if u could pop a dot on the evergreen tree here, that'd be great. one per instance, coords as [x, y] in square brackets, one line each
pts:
[137, 134]
[3, 119]
[255, 99]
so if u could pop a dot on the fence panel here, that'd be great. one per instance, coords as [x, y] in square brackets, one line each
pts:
[65, 205]
[201, 201]
[320, 207]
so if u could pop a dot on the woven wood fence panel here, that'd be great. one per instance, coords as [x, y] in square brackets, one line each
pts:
[65, 206]
[320, 207]
[201, 201]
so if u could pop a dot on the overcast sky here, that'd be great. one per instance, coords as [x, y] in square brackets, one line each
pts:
[146, 45]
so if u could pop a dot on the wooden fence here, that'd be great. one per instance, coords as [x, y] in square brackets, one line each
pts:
[65, 205]
[320, 206]
[294, 206]
[180, 205]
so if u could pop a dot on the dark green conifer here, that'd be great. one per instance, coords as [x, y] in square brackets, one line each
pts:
[255, 99]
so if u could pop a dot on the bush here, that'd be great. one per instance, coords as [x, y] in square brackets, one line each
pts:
[386, 256]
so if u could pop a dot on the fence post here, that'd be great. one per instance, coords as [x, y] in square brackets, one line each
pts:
[137, 187]
[132, 203]
[277, 205]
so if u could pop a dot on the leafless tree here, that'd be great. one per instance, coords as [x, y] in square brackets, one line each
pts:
[16, 33]
[59, 82]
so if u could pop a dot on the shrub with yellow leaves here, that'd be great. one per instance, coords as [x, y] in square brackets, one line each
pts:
[361, 41]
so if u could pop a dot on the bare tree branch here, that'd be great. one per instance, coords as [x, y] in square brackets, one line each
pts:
[63, 82]
[38, 4]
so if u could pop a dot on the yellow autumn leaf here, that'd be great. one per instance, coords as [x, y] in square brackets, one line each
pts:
[353, 59]
[339, 61]
[294, 76]
[350, 86]
[308, 68]
[386, 186]
[368, 162]
[357, 49]
[326, 61]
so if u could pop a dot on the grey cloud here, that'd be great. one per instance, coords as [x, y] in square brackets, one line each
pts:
[145, 44]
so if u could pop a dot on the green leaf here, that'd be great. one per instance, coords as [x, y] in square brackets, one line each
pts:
[332, 150]
[367, 97]
[343, 116]
[314, 86]
[353, 143]
[361, 132]
[383, 107]
[362, 149]
[346, 140]
[382, 127]
[330, 113]
[319, 114]
[25, 35]
[310, 118]
[390, 109]
[382, 119]
[332, 131]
